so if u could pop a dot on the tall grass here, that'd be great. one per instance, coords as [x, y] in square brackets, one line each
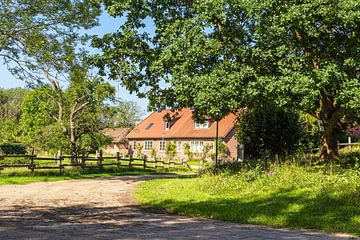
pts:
[298, 193]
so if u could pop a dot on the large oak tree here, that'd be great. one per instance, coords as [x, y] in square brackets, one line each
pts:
[221, 55]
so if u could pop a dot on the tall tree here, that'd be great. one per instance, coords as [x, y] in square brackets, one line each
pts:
[220, 55]
[84, 101]
[39, 31]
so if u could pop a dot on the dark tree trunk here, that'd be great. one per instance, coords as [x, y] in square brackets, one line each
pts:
[329, 145]
[331, 113]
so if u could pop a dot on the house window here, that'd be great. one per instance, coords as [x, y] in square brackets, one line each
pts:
[148, 145]
[196, 146]
[162, 146]
[166, 125]
[178, 146]
[202, 125]
[134, 145]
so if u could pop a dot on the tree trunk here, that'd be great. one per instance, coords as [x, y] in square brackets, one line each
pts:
[329, 144]
[59, 99]
[331, 114]
[75, 110]
[74, 150]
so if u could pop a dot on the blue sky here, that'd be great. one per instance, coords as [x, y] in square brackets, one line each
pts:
[107, 25]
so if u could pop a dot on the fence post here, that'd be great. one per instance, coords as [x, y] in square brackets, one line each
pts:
[32, 160]
[145, 159]
[118, 163]
[130, 160]
[83, 162]
[349, 141]
[60, 164]
[100, 160]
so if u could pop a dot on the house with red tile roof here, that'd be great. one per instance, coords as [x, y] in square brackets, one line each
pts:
[163, 127]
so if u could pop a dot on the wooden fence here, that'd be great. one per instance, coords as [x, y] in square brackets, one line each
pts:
[34, 162]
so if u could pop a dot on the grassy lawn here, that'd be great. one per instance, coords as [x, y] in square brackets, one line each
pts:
[286, 195]
[24, 176]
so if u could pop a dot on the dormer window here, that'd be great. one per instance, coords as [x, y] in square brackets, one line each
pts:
[202, 125]
[166, 125]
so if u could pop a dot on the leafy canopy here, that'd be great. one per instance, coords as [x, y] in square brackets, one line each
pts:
[42, 35]
[221, 55]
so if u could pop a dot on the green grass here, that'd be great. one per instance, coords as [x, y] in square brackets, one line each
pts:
[287, 195]
[24, 176]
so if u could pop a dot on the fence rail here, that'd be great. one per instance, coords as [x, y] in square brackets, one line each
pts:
[33, 162]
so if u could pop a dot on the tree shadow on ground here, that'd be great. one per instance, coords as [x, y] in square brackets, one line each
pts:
[127, 222]
[286, 208]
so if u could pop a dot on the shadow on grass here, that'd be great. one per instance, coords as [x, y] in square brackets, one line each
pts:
[282, 209]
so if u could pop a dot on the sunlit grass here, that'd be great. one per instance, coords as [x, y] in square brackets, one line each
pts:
[282, 195]
[24, 175]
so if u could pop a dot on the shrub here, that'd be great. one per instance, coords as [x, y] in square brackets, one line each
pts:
[187, 151]
[8, 148]
[206, 149]
[223, 150]
[269, 131]
[153, 153]
[139, 147]
[170, 150]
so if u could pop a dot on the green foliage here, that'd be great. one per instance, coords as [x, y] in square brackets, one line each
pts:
[187, 151]
[206, 149]
[223, 149]
[38, 110]
[79, 127]
[42, 35]
[10, 113]
[311, 136]
[11, 149]
[153, 153]
[125, 114]
[138, 148]
[219, 56]
[269, 130]
[170, 150]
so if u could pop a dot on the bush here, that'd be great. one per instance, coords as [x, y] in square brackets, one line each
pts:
[8, 149]
[269, 131]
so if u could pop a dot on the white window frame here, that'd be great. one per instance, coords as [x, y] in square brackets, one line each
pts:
[196, 146]
[167, 125]
[162, 145]
[204, 125]
[148, 145]
[178, 146]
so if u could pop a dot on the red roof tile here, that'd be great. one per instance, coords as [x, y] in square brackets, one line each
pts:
[183, 126]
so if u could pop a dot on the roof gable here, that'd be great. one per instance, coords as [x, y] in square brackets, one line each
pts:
[118, 135]
[182, 126]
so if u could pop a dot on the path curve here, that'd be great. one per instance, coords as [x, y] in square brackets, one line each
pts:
[104, 208]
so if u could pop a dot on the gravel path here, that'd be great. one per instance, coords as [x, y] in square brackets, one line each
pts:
[105, 208]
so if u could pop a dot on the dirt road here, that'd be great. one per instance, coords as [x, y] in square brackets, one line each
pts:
[106, 209]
